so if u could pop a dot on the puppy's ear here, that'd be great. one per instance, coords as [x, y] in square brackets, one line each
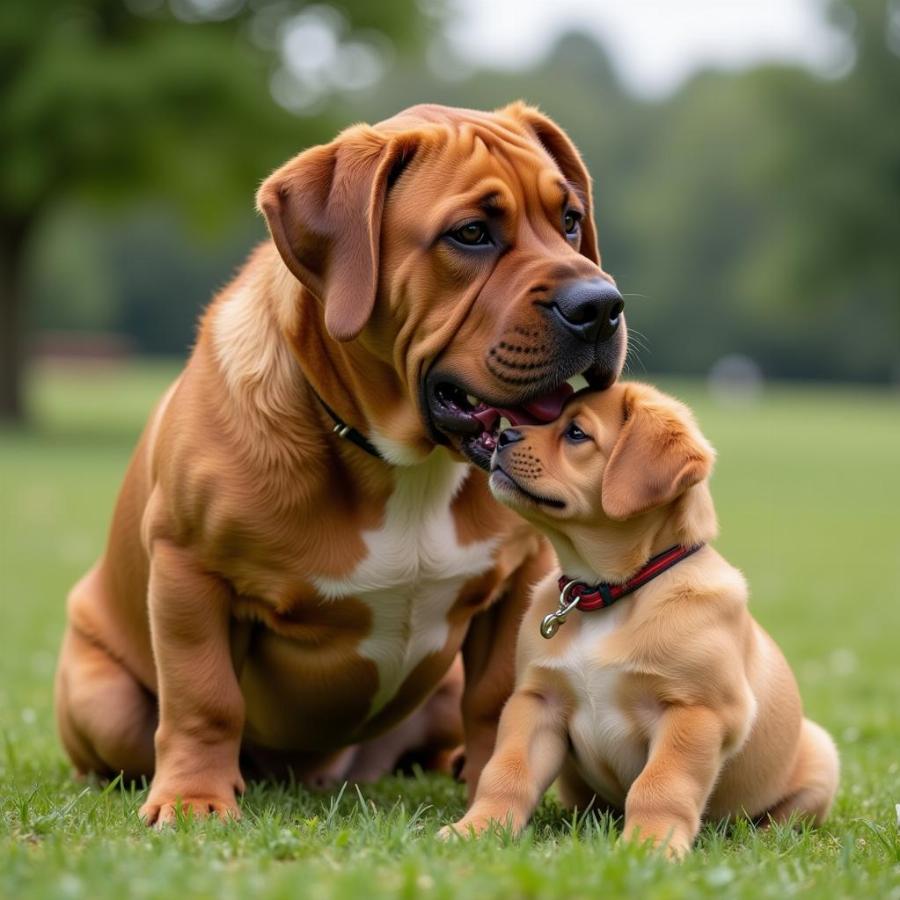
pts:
[555, 141]
[324, 210]
[658, 455]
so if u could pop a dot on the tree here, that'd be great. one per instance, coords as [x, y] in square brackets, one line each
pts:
[114, 100]
[842, 175]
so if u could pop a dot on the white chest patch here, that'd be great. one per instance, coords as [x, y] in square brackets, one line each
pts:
[413, 571]
[602, 736]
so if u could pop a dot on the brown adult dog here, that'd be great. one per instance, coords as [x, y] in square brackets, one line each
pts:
[673, 704]
[273, 591]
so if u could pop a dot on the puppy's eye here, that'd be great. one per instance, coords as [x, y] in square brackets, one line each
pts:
[571, 222]
[472, 234]
[574, 435]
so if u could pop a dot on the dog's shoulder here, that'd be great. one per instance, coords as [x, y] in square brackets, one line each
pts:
[692, 621]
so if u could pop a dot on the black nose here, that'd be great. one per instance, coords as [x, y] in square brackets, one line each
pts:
[591, 309]
[508, 436]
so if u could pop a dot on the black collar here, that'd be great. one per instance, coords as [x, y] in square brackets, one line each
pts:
[342, 429]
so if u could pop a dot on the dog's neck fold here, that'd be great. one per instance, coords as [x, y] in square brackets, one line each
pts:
[345, 375]
[271, 343]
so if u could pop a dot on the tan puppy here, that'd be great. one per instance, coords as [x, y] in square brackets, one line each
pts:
[670, 703]
[273, 598]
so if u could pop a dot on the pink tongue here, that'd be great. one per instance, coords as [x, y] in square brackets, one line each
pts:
[548, 407]
[537, 411]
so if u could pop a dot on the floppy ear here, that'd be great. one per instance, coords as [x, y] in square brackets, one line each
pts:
[324, 209]
[557, 143]
[659, 454]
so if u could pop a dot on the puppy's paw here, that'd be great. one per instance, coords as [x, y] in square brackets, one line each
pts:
[166, 812]
[678, 851]
[674, 843]
[468, 827]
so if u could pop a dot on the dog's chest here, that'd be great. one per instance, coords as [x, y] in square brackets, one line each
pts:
[608, 749]
[413, 572]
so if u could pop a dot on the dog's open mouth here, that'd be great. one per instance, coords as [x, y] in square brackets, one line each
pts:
[474, 423]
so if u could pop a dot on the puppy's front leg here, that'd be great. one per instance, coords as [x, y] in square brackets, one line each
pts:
[489, 655]
[201, 710]
[667, 799]
[531, 747]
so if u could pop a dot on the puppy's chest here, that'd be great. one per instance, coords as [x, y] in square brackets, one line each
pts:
[606, 737]
[412, 574]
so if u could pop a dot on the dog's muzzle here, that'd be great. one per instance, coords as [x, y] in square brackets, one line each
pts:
[566, 339]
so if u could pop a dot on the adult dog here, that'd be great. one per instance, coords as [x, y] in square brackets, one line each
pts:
[273, 593]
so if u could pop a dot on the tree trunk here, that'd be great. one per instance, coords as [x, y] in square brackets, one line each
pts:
[13, 237]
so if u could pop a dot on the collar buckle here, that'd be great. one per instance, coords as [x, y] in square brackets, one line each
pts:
[551, 622]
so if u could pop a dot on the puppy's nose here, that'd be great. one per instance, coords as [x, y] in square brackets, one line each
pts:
[589, 309]
[508, 436]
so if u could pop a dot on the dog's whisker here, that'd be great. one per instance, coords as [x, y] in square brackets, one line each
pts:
[637, 344]
[633, 355]
[638, 337]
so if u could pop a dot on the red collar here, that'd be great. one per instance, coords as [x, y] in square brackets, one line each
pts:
[578, 595]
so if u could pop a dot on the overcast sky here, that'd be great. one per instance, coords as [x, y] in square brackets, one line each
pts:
[653, 44]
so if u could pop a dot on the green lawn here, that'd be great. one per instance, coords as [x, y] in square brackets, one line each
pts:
[808, 491]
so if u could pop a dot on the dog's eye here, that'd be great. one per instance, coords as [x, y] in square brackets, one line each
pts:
[574, 435]
[472, 234]
[572, 222]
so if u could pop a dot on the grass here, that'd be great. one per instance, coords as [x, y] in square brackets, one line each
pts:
[808, 491]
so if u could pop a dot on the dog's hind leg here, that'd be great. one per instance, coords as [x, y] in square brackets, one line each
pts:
[430, 736]
[814, 781]
[105, 717]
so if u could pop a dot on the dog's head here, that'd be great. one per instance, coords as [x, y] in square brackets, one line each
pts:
[459, 247]
[618, 459]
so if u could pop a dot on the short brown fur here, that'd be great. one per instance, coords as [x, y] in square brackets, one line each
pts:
[673, 705]
[223, 621]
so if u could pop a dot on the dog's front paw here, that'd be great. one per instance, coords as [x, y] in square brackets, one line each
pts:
[198, 798]
[468, 826]
[673, 842]
[166, 812]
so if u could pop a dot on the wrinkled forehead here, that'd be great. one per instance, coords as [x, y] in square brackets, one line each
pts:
[486, 168]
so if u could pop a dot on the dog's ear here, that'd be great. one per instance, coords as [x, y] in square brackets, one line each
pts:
[659, 454]
[555, 141]
[324, 210]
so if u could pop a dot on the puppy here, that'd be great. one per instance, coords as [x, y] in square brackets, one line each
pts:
[657, 692]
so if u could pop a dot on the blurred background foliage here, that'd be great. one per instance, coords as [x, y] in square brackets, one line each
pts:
[753, 213]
